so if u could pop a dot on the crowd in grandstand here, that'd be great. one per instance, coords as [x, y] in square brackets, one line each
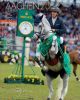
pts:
[70, 17]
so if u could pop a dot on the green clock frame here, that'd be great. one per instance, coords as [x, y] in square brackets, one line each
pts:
[25, 20]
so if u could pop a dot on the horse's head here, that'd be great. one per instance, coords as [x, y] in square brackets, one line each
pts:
[41, 26]
[38, 22]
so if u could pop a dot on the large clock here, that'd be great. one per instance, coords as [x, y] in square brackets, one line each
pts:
[25, 28]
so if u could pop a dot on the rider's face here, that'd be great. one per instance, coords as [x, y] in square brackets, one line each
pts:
[54, 14]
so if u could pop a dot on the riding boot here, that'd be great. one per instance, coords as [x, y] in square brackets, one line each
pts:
[60, 54]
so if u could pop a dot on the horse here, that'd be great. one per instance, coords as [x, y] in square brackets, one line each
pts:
[53, 66]
[74, 56]
[75, 61]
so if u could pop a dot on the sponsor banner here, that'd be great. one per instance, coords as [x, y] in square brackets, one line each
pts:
[10, 22]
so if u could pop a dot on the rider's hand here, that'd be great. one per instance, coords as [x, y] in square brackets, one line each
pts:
[53, 30]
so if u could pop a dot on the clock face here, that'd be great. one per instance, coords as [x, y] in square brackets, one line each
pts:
[25, 28]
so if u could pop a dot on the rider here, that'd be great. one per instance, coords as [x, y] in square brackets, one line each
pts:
[55, 22]
[57, 25]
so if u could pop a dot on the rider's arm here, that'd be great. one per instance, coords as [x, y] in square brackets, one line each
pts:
[61, 30]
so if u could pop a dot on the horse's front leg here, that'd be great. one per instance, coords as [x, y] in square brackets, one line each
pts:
[49, 83]
[42, 63]
[39, 59]
[65, 86]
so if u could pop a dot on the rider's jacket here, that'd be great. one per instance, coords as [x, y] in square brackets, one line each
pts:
[58, 26]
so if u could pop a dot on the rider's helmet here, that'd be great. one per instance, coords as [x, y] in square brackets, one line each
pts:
[55, 9]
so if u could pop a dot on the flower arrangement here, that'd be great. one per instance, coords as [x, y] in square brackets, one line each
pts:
[11, 57]
[30, 79]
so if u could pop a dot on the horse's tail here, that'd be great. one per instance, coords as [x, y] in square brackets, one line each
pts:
[59, 89]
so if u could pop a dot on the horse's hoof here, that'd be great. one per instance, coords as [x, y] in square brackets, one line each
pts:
[79, 80]
[60, 99]
[43, 72]
[48, 98]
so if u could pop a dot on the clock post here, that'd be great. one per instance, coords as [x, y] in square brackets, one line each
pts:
[25, 28]
[25, 25]
[23, 56]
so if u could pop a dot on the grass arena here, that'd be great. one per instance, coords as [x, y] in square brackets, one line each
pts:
[33, 50]
[21, 91]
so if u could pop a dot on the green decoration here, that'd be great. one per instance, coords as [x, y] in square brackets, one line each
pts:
[66, 59]
[66, 63]
[45, 46]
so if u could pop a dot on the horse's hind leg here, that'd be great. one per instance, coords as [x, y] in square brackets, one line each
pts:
[49, 83]
[65, 86]
[74, 71]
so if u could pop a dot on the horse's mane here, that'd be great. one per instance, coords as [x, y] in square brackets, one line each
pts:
[45, 23]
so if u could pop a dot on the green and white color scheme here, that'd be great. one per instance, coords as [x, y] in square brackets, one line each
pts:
[24, 29]
[25, 23]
